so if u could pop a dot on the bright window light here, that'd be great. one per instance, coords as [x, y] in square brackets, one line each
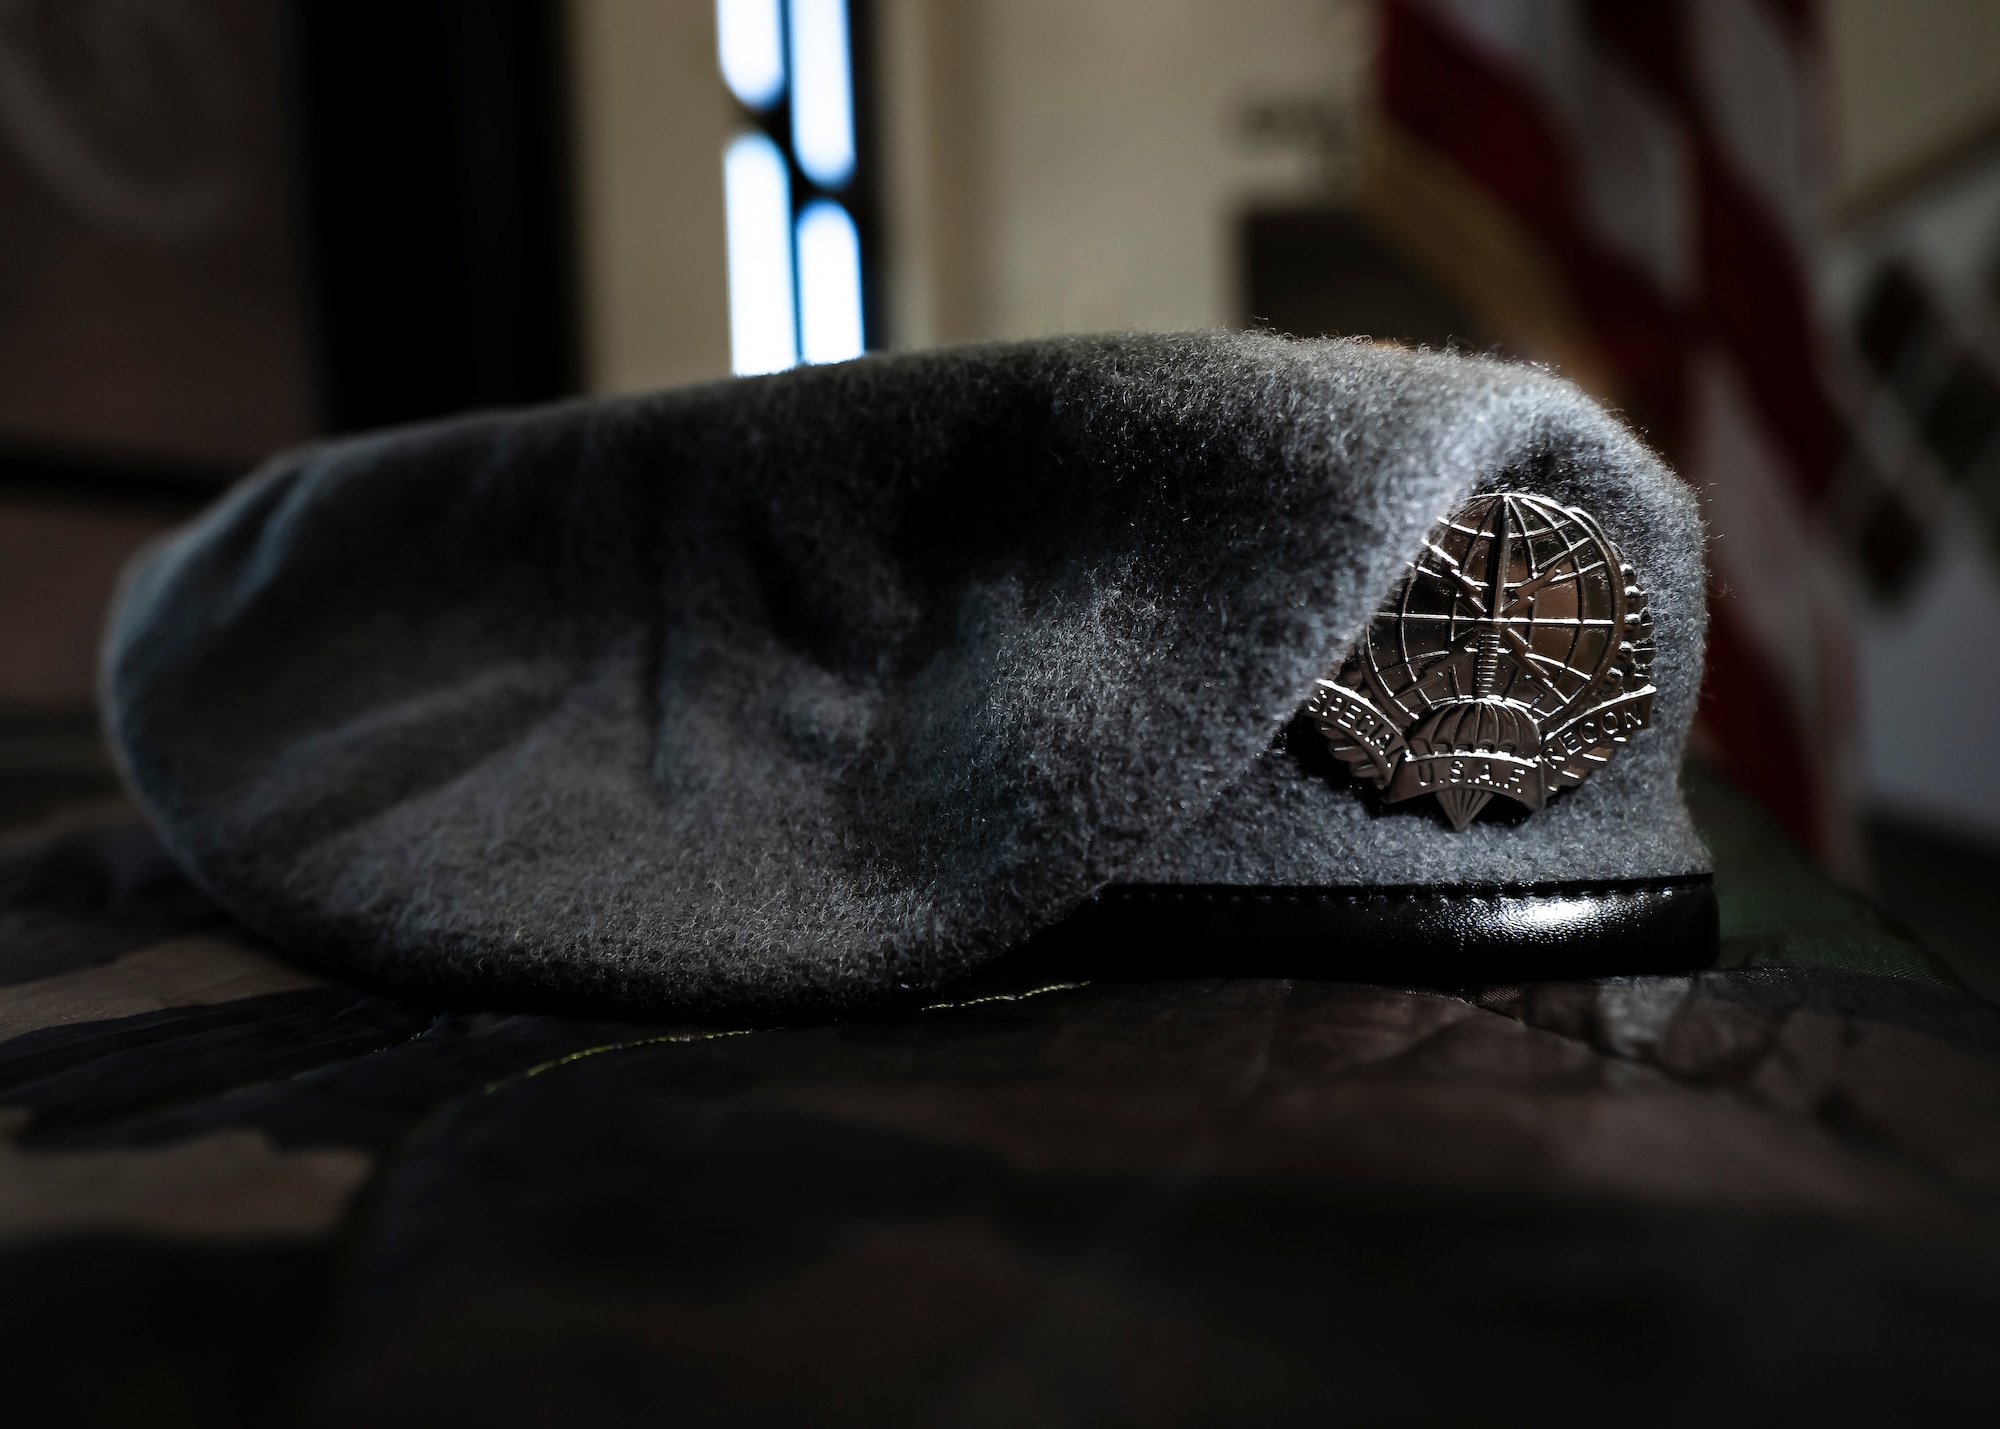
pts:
[748, 40]
[829, 283]
[757, 206]
[822, 92]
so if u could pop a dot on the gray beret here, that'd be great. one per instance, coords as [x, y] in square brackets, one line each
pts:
[794, 691]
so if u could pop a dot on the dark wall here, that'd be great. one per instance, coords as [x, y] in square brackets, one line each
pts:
[1318, 272]
[434, 183]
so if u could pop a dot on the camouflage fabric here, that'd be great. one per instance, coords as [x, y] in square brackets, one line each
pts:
[233, 1193]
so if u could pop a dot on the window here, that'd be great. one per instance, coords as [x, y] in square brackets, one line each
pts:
[795, 185]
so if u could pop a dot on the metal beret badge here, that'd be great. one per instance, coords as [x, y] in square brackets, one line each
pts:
[1512, 660]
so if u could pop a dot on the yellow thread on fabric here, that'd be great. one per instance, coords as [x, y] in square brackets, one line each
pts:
[1003, 996]
[692, 1037]
[564, 1061]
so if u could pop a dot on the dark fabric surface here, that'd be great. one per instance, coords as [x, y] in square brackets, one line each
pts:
[783, 694]
[234, 1194]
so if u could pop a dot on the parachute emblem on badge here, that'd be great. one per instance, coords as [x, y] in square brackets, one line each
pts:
[1512, 660]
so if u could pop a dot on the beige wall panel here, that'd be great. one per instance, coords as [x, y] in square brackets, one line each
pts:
[1115, 165]
[935, 196]
[1071, 165]
[1915, 80]
[652, 117]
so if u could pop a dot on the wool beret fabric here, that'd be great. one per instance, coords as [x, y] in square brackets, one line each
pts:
[787, 692]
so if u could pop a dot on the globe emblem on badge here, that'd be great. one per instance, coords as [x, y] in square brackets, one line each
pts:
[1512, 660]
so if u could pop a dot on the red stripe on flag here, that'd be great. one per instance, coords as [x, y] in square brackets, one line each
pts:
[1758, 306]
[1500, 135]
[1651, 37]
[1751, 722]
[1753, 277]
[1448, 94]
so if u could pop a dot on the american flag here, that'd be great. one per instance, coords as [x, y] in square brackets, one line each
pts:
[1629, 189]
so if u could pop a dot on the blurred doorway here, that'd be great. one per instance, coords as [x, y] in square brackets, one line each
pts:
[1325, 272]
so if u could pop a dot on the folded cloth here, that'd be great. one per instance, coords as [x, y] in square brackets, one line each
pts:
[791, 692]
